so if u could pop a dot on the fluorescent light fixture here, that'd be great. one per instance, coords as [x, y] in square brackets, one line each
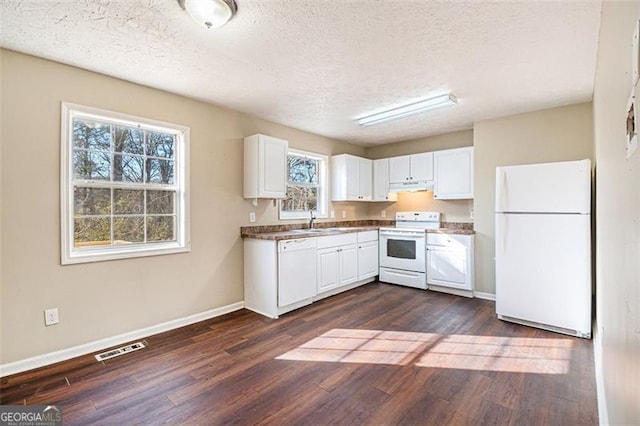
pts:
[210, 13]
[408, 109]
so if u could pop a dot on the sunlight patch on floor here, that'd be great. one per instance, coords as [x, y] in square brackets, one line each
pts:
[493, 353]
[363, 346]
[469, 352]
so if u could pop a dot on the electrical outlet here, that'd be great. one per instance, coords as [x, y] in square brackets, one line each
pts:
[51, 316]
[471, 215]
[383, 213]
[333, 214]
[252, 217]
[344, 214]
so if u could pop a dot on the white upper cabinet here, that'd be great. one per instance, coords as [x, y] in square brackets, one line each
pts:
[265, 167]
[411, 168]
[399, 169]
[351, 178]
[381, 181]
[422, 166]
[453, 174]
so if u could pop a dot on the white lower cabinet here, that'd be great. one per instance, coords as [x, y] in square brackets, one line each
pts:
[367, 254]
[327, 269]
[337, 261]
[280, 276]
[450, 263]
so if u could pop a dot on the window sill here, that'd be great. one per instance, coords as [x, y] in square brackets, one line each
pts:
[304, 216]
[102, 255]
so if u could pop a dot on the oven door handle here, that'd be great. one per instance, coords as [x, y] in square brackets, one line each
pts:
[402, 234]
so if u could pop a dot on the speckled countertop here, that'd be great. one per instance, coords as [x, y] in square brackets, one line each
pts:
[306, 233]
[457, 228]
[288, 232]
[455, 231]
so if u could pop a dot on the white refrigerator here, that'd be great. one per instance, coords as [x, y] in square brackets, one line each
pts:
[543, 246]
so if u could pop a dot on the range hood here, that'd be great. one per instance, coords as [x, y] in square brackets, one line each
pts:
[417, 185]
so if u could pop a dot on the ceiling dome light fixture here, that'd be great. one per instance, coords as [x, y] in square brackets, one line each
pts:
[210, 13]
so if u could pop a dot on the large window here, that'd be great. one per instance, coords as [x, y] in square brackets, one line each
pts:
[124, 186]
[306, 186]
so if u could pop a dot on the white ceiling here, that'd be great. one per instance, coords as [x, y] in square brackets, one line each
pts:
[317, 64]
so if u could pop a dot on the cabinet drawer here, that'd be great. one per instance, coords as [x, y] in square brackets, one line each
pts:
[366, 236]
[337, 240]
[449, 240]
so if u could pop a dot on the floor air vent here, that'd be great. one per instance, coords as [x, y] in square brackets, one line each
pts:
[120, 351]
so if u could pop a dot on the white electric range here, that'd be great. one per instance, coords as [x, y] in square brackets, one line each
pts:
[402, 249]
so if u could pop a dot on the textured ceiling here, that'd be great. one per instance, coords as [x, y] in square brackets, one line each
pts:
[316, 65]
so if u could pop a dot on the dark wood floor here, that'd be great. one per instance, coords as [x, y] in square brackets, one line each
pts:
[379, 354]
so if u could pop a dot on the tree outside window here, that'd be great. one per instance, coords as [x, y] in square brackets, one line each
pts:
[305, 186]
[124, 184]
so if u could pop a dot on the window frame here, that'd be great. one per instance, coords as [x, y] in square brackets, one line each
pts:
[74, 255]
[323, 190]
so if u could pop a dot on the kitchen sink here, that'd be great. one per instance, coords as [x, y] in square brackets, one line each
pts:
[317, 230]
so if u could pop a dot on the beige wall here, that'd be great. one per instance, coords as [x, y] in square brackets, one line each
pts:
[415, 146]
[557, 134]
[452, 210]
[104, 299]
[266, 211]
[617, 221]
[2, 319]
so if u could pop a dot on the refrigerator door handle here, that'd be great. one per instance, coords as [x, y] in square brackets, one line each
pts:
[502, 231]
[502, 185]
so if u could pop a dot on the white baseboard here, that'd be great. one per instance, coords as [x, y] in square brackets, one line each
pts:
[87, 348]
[603, 413]
[486, 296]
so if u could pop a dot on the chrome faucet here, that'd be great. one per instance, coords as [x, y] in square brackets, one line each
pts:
[312, 219]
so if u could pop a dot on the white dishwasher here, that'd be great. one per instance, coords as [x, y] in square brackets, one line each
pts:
[296, 270]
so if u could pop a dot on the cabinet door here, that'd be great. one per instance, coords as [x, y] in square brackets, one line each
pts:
[422, 166]
[448, 267]
[348, 264]
[273, 165]
[365, 175]
[453, 174]
[350, 178]
[327, 269]
[265, 167]
[399, 169]
[367, 260]
[381, 181]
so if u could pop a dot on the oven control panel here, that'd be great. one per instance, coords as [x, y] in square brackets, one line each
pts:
[418, 216]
